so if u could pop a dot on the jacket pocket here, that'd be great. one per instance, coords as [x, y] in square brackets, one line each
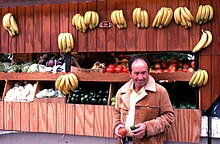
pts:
[145, 113]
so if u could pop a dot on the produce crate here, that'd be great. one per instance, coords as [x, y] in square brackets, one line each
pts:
[10, 83]
[48, 85]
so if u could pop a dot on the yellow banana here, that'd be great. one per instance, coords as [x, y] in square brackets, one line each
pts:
[67, 82]
[84, 28]
[182, 11]
[134, 16]
[197, 77]
[198, 15]
[75, 79]
[68, 43]
[202, 14]
[161, 13]
[14, 24]
[60, 41]
[169, 17]
[183, 21]
[122, 19]
[209, 39]
[201, 79]
[58, 81]
[146, 19]
[97, 19]
[72, 82]
[64, 90]
[193, 78]
[165, 14]
[187, 11]
[206, 16]
[6, 21]
[74, 19]
[79, 23]
[138, 15]
[154, 24]
[201, 42]
[177, 17]
[206, 77]
[64, 45]
[71, 40]
[113, 18]
[87, 18]
[211, 12]
[142, 19]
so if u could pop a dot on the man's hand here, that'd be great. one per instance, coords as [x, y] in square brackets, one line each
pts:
[139, 132]
[116, 130]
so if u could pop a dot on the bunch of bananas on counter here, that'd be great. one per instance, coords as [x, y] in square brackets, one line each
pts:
[65, 42]
[205, 41]
[199, 78]
[66, 82]
[163, 17]
[204, 14]
[117, 18]
[183, 16]
[140, 18]
[89, 20]
[10, 24]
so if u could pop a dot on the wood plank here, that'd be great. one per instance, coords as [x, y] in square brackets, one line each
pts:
[214, 78]
[108, 121]
[82, 38]
[120, 33]
[140, 38]
[51, 117]
[34, 117]
[79, 119]
[92, 34]
[89, 120]
[101, 33]
[42, 117]
[61, 115]
[204, 63]
[99, 121]
[38, 28]
[29, 30]
[1, 115]
[194, 126]
[70, 119]
[13, 40]
[25, 116]
[161, 33]
[111, 38]
[130, 44]
[8, 116]
[183, 127]
[46, 36]
[21, 25]
[4, 34]
[16, 114]
[172, 28]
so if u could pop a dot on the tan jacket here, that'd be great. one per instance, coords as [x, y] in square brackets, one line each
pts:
[153, 108]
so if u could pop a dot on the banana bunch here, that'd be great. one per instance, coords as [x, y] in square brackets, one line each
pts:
[205, 41]
[98, 65]
[183, 16]
[204, 14]
[65, 42]
[10, 24]
[163, 17]
[117, 18]
[199, 78]
[140, 18]
[89, 20]
[66, 82]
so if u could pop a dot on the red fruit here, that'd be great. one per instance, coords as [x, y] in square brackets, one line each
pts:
[111, 66]
[184, 69]
[125, 70]
[166, 70]
[190, 70]
[186, 65]
[159, 71]
[172, 67]
[122, 131]
[110, 69]
[119, 69]
[192, 64]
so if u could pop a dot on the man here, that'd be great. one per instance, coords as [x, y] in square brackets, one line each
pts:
[143, 103]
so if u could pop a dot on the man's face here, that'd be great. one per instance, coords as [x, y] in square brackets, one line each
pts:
[139, 73]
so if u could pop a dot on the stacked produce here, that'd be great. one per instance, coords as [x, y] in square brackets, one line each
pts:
[140, 18]
[65, 42]
[199, 78]
[204, 14]
[66, 82]
[89, 20]
[205, 41]
[10, 24]
[163, 17]
[117, 18]
[183, 16]
[88, 96]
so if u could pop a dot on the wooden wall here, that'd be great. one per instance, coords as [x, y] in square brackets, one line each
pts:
[40, 26]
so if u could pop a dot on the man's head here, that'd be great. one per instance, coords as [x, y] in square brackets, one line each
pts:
[139, 71]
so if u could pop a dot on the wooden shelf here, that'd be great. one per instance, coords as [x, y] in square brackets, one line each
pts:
[96, 77]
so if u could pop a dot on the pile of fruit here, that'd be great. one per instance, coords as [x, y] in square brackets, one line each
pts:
[82, 96]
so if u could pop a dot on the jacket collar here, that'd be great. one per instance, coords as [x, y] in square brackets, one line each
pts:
[127, 88]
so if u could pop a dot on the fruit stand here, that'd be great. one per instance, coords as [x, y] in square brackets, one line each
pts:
[40, 25]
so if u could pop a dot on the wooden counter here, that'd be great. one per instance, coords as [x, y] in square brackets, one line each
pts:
[88, 120]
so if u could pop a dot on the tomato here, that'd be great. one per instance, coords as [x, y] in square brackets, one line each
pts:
[185, 70]
[192, 64]
[125, 70]
[111, 66]
[110, 69]
[122, 131]
[190, 70]
[166, 70]
[172, 67]
[186, 65]
[119, 69]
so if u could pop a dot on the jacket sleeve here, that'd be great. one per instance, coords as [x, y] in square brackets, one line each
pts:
[165, 119]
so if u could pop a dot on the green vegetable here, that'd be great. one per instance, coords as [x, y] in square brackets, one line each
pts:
[133, 127]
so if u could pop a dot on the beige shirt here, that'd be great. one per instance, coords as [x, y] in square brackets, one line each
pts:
[130, 117]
